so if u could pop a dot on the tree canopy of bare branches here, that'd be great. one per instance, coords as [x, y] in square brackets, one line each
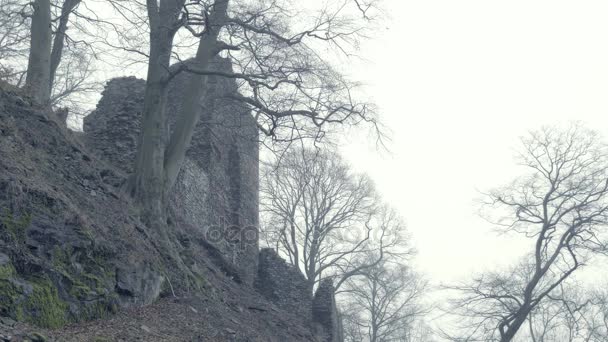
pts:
[383, 304]
[325, 218]
[573, 313]
[37, 52]
[561, 205]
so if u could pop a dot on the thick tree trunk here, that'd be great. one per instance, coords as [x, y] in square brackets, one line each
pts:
[39, 64]
[514, 327]
[148, 185]
[148, 182]
[59, 39]
[191, 110]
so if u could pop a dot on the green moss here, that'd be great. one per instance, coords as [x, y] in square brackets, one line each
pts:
[80, 291]
[84, 231]
[61, 257]
[44, 307]
[92, 278]
[9, 297]
[7, 271]
[9, 294]
[87, 283]
[97, 310]
[16, 228]
[19, 314]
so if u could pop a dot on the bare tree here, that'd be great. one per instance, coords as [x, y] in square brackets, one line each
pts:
[573, 313]
[38, 78]
[36, 51]
[281, 76]
[14, 36]
[383, 304]
[46, 47]
[561, 204]
[324, 218]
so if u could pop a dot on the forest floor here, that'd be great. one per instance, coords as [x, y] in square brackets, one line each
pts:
[237, 314]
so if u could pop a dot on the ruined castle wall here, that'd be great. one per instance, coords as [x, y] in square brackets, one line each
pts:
[283, 284]
[217, 188]
[112, 130]
[325, 312]
[286, 286]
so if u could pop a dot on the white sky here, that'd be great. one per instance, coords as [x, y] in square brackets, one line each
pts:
[459, 82]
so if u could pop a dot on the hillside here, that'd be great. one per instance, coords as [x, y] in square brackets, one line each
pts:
[76, 264]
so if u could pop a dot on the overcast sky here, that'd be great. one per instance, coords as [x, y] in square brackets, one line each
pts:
[459, 82]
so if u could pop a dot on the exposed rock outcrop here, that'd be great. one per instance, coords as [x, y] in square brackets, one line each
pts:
[65, 230]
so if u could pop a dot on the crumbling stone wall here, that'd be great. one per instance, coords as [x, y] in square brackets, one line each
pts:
[286, 286]
[283, 284]
[325, 312]
[217, 188]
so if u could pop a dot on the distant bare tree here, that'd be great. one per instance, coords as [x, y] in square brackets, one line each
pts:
[325, 218]
[383, 304]
[572, 313]
[561, 203]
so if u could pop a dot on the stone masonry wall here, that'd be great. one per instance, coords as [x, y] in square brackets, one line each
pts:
[325, 312]
[283, 284]
[217, 189]
[286, 286]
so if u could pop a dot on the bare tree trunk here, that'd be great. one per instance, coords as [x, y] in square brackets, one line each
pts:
[39, 64]
[59, 39]
[311, 268]
[374, 313]
[191, 111]
[509, 334]
[149, 177]
[148, 184]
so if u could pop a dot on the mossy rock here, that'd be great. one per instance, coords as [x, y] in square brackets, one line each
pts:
[10, 296]
[14, 228]
[87, 282]
[35, 301]
[7, 271]
[44, 308]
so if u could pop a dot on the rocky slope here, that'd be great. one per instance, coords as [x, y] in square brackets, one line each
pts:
[72, 250]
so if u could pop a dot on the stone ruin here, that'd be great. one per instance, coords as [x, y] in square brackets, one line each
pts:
[286, 286]
[217, 189]
[325, 313]
[283, 284]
